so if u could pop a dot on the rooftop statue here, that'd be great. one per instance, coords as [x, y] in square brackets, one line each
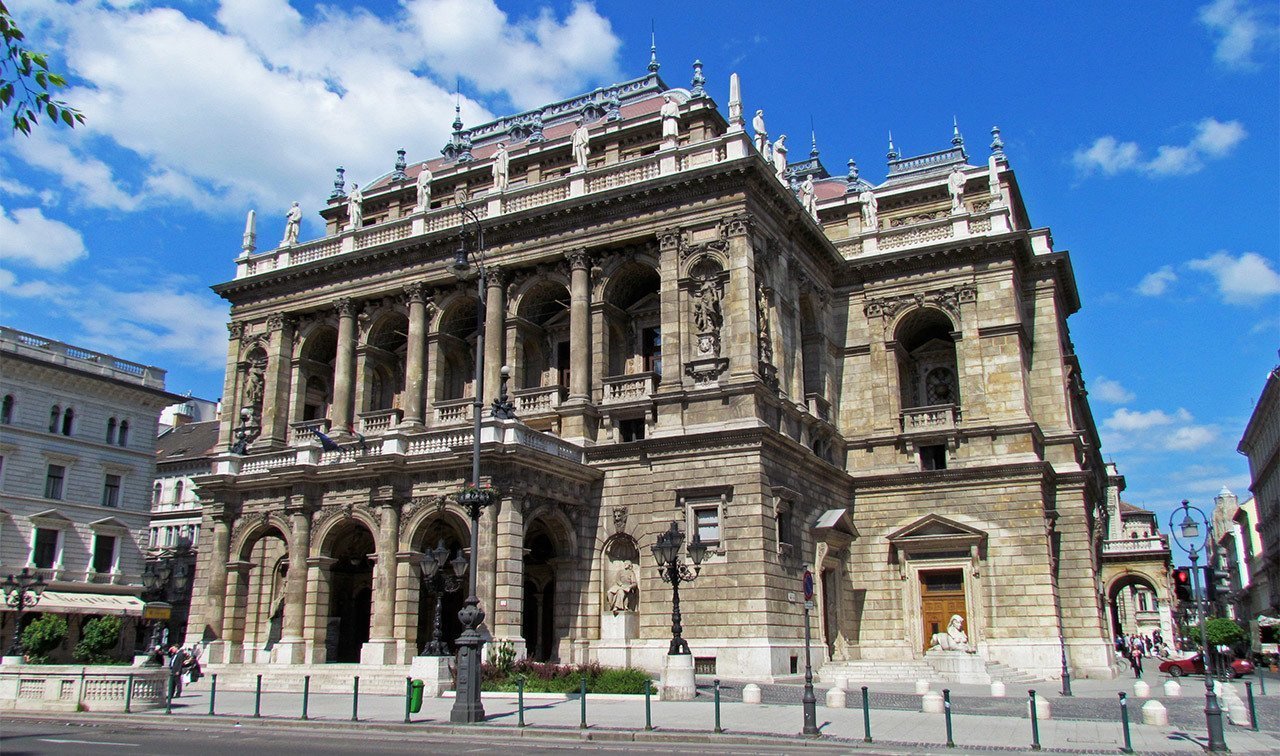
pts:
[808, 199]
[670, 119]
[955, 183]
[581, 145]
[869, 208]
[762, 135]
[424, 187]
[780, 157]
[501, 168]
[292, 220]
[355, 207]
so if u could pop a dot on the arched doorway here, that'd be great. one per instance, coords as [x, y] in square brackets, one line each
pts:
[350, 592]
[264, 597]
[1136, 608]
[447, 530]
[539, 624]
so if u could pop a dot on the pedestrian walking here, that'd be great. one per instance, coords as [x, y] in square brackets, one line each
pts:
[177, 662]
[1135, 660]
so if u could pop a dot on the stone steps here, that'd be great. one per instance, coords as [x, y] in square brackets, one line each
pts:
[864, 671]
[325, 678]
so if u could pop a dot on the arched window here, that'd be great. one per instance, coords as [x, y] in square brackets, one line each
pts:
[155, 494]
[927, 367]
[111, 431]
[55, 415]
[123, 438]
[177, 492]
[6, 410]
[68, 419]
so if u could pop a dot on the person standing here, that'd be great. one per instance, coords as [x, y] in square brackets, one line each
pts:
[1135, 660]
[177, 663]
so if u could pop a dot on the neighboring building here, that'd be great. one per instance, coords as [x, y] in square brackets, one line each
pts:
[1261, 444]
[1136, 564]
[77, 444]
[1239, 545]
[189, 410]
[183, 452]
[875, 381]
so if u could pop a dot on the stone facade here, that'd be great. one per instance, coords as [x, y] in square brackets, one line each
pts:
[1136, 569]
[77, 444]
[897, 406]
[1261, 444]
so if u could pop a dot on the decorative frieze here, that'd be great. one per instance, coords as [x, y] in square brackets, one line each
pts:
[948, 299]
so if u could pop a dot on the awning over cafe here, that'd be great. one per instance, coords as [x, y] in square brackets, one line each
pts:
[62, 602]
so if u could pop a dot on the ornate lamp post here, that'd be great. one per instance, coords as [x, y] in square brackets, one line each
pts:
[21, 593]
[247, 432]
[440, 581]
[1189, 529]
[467, 707]
[678, 678]
[159, 578]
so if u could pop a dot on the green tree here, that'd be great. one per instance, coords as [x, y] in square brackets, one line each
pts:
[1223, 632]
[98, 640]
[42, 636]
[27, 84]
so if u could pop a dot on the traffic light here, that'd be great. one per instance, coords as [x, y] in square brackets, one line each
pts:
[1182, 584]
[1217, 579]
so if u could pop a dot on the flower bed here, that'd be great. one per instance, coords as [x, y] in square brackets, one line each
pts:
[543, 677]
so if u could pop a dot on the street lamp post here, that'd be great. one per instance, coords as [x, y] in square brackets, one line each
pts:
[21, 593]
[161, 579]
[467, 707]
[675, 571]
[1189, 528]
[440, 581]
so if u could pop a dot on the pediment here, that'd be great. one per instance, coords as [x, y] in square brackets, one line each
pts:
[108, 523]
[835, 527]
[51, 517]
[934, 532]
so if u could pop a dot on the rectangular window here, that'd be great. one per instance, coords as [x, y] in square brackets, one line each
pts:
[706, 523]
[104, 553]
[563, 360]
[195, 535]
[53, 481]
[631, 430]
[651, 349]
[111, 491]
[155, 532]
[933, 457]
[785, 530]
[44, 551]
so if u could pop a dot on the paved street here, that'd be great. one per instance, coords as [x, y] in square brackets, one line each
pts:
[1088, 722]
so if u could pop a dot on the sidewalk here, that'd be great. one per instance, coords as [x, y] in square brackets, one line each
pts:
[619, 716]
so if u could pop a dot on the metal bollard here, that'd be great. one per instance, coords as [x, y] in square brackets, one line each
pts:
[257, 699]
[1253, 713]
[866, 715]
[213, 693]
[520, 700]
[1124, 723]
[408, 694]
[1262, 683]
[1035, 722]
[946, 710]
[355, 699]
[128, 696]
[648, 712]
[582, 700]
[718, 729]
[306, 693]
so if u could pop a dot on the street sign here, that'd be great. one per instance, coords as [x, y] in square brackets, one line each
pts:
[808, 586]
[157, 610]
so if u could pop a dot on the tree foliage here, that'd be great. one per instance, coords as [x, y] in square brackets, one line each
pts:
[42, 636]
[26, 83]
[98, 640]
[1223, 632]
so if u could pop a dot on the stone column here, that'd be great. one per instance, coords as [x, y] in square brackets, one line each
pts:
[738, 307]
[275, 395]
[316, 626]
[415, 354]
[580, 325]
[235, 330]
[344, 373]
[236, 598]
[290, 649]
[495, 319]
[214, 555]
[508, 589]
[380, 650]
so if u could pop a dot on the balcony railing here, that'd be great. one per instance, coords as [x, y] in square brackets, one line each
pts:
[540, 399]
[305, 430]
[1154, 544]
[380, 420]
[935, 419]
[453, 411]
[619, 389]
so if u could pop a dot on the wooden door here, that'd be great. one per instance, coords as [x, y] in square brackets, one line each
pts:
[941, 596]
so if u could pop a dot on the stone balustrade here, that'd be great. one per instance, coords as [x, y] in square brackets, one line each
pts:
[19, 342]
[380, 420]
[937, 418]
[1152, 544]
[304, 432]
[532, 401]
[451, 411]
[629, 388]
[65, 687]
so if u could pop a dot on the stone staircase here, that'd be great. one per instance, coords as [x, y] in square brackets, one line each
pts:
[862, 672]
[325, 678]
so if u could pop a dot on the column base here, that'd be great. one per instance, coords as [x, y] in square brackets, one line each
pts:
[579, 421]
[678, 682]
[378, 653]
[222, 652]
[288, 652]
[435, 672]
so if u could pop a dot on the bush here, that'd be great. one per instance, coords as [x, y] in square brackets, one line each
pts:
[99, 639]
[625, 680]
[42, 636]
[546, 677]
[1223, 632]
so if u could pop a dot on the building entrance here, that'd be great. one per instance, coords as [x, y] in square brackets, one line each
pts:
[350, 595]
[941, 596]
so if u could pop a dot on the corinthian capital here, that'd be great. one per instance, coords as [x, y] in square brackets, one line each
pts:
[345, 306]
[579, 259]
[416, 292]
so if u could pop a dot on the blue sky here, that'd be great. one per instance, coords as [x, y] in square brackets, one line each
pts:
[1146, 135]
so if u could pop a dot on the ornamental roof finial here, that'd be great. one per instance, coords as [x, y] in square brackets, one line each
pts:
[654, 65]
[339, 184]
[853, 170]
[956, 139]
[697, 89]
[813, 139]
[997, 144]
[893, 151]
[398, 174]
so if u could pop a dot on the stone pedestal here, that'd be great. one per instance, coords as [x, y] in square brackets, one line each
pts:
[836, 698]
[378, 653]
[434, 672]
[677, 681]
[139, 660]
[751, 694]
[931, 703]
[1154, 713]
[220, 652]
[997, 689]
[620, 626]
[288, 652]
[959, 667]
[1043, 709]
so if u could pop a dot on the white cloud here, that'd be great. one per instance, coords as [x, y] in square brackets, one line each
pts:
[1109, 156]
[1107, 390]
[1155, 430]
[163, 320]
[29, 238]
[10, 285]
[1237, 28]
[1246, 279]
[1156, 282]
[257, 109]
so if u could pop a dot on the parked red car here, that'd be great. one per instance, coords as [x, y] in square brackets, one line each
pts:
[1194, 665]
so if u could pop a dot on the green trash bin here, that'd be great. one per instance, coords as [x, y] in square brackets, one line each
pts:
[415, 696]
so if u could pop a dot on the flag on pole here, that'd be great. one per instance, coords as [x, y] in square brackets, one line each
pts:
[326, 443]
